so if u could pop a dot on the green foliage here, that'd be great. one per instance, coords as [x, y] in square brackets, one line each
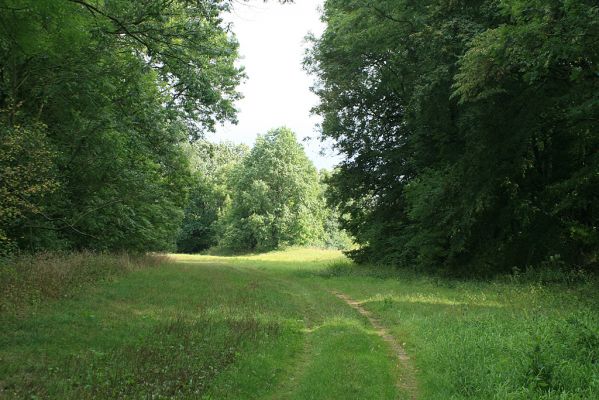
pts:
[28, 177]
[210, 194]
[334, 236]
[106, 93]
[266, 198]
[469, 130]
[276, 197]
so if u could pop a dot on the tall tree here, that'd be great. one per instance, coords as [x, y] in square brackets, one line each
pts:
[276, 197]
[111, 90]
[210, 193]
[469, 129]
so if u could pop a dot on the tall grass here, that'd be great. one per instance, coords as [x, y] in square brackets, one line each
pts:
[531, 334]
[29, 280]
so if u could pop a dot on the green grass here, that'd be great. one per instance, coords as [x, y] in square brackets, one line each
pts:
[504, 339]
[267, 327]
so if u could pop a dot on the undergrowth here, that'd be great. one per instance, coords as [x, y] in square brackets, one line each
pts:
[29, 280]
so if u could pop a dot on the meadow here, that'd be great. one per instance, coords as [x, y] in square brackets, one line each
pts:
[268, 326]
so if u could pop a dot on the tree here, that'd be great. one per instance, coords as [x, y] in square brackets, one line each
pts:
[468, 130]
[210, 193]
[28, 177]
[111, 91]
[276, 197]
[334, 236]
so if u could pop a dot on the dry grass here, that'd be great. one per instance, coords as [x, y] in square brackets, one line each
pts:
[29, 280]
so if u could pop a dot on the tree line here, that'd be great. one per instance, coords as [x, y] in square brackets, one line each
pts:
[257, 199]
[98, 100]
[103, 107]
[470, 130]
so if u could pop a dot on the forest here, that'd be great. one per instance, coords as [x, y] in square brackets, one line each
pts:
[470, 130]
[103, 113]
[452, 253]
[469, 133]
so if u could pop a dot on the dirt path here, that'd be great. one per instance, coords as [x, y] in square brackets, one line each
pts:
[407, 379]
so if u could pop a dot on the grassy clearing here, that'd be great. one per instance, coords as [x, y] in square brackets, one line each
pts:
[267, 327]
[201, 327]
[530, 337]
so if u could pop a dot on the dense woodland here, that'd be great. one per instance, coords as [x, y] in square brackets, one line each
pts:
[97, 99]
[99, 104]
[470, 131]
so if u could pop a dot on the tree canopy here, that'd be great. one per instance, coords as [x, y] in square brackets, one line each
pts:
[255, 200]
[210, 194]
[96, 100]
[277, 198]
[469, 129]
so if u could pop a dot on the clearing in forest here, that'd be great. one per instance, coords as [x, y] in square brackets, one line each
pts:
[301, 324]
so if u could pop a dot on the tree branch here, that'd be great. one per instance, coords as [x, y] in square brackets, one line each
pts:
[95, 10]
[390, 18]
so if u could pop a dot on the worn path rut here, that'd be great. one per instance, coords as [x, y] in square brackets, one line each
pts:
[407, 378]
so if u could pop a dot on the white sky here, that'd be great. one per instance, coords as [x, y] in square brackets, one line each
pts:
[277, 91]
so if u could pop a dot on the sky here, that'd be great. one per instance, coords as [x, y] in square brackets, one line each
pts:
[277, 90]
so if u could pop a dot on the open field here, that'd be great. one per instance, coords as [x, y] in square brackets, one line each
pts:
[270, 327]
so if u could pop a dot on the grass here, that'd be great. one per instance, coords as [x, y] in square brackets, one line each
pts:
[29, 280]
[267, 327]
[505, 339]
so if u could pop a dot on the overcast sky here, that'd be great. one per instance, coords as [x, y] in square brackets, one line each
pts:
[277, 91]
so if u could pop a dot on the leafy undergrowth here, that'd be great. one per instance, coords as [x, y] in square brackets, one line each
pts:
[29, 280]
[525, 336]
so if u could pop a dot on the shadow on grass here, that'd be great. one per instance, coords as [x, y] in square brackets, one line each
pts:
[178, 358]
[347, 268]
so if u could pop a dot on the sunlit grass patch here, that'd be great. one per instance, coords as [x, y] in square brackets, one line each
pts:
[339, 321]
[299, 254]
[435, 299]
[294, 253]
[293, 258]
[497, 339]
